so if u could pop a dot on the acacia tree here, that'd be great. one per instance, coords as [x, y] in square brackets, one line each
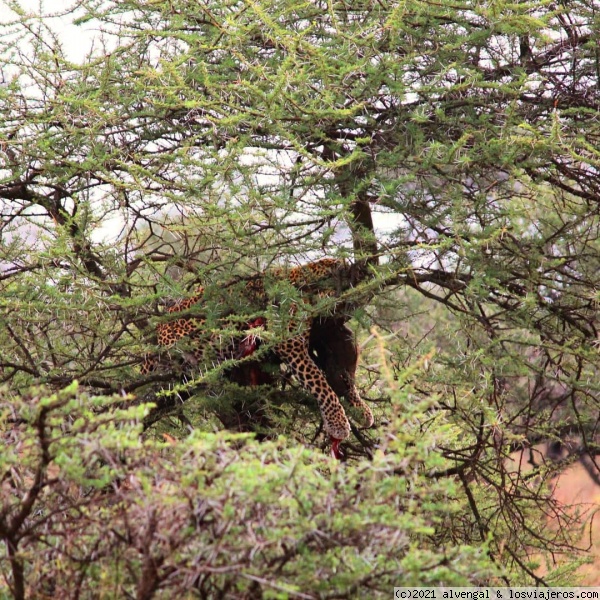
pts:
[449, 149]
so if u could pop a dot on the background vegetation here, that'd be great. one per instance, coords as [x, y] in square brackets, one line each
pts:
[449, 149]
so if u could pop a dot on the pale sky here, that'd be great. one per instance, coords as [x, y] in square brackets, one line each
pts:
[76, 39]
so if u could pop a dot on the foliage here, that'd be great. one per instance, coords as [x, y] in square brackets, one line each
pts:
[90, 509]
[448, 150]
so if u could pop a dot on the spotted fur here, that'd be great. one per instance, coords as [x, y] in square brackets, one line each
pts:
[315, 280]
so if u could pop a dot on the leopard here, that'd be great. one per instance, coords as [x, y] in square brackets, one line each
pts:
[325, 278]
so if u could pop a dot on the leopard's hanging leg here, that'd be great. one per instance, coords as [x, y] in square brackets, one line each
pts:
[294, 352]
[353, 397]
